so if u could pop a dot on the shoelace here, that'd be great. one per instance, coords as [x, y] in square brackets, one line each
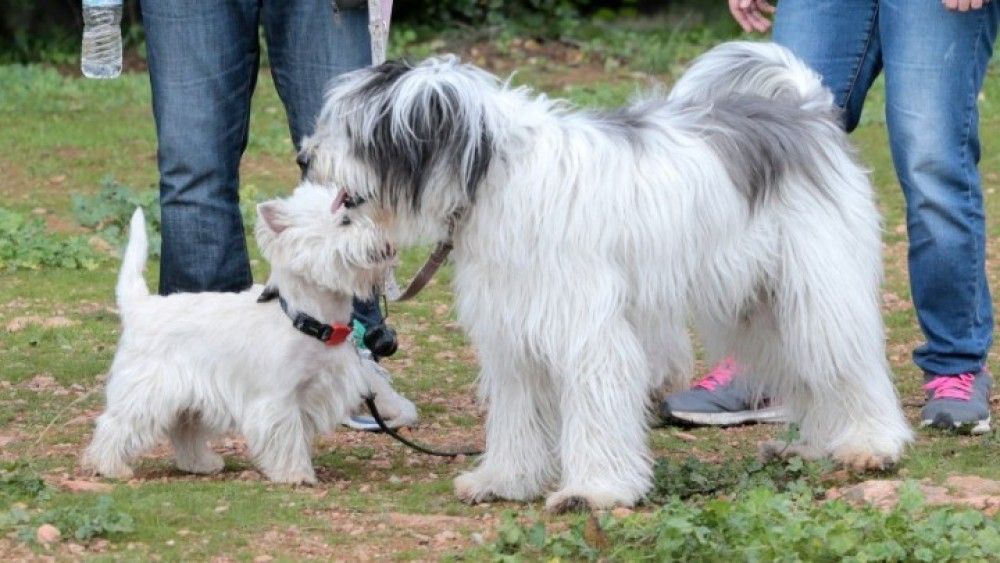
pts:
[952, 386]
[720, 375]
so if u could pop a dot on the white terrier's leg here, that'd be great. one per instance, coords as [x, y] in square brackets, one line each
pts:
[191, 451]
[117, 440]
[281, 443]
[602, 447]
[521, 425]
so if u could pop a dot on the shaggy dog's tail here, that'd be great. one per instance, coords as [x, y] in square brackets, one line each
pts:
[131, 284]
[739, 68]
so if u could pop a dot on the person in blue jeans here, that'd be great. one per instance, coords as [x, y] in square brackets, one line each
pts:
[203, 62]
[934, 56]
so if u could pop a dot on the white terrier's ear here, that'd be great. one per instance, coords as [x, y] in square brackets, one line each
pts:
[271, 213]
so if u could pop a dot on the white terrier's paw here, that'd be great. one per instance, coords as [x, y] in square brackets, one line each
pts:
[483, 486]
[110, 470]
[204, 465]
[576, 499]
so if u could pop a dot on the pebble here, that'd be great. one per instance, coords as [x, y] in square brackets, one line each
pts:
[47, 533]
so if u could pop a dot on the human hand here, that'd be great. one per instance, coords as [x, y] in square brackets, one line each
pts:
[750, 14]
[959, 5]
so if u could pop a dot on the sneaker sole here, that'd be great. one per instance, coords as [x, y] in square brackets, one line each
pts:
[981, 427]
[766, 415]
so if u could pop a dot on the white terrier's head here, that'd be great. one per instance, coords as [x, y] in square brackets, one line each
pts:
[317, 237]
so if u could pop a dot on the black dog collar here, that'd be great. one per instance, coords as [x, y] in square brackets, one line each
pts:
[329, 334]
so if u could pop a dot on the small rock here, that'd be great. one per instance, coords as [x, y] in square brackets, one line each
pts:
[221, 508]
[395, 480]
[478, 538]
[685, 436]
[445, 537]
[973, 485]
[621, 512]
[47, 534]
[75, 548]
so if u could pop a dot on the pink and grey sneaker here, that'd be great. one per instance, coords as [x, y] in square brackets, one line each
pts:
[958, 401]
[721, 398]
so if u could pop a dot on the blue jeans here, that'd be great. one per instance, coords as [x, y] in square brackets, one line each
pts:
[203, 63]
[934, 62]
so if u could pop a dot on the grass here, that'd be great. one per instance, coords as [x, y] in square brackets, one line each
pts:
[63, 135]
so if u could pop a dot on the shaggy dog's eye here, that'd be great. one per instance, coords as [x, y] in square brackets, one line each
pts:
[345, 221]
[351, 202]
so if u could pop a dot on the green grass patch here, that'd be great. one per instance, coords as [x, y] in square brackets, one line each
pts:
[761, 525]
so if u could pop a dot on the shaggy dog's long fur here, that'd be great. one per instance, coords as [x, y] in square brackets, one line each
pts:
[586, 241]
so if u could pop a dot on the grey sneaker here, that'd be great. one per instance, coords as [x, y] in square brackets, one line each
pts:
[721, 398]
[958, 401]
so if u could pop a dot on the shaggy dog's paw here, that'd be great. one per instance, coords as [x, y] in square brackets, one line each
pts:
[484, 485]
[577, 500]
[472, 488]
[779, 449]
[206, 465]
[294, 477]
[857, 459]
[864, 460]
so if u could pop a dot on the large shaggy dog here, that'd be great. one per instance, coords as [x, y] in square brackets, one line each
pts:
[584, 242]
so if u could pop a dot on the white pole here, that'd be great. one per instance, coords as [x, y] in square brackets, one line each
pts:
[379, 12]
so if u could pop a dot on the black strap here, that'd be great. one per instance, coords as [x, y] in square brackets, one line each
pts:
[370, 401]
[306, 324]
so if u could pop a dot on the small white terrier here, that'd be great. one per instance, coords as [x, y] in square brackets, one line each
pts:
[191, 366]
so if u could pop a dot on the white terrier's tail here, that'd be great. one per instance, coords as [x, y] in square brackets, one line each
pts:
[761, 69]
[131, 284]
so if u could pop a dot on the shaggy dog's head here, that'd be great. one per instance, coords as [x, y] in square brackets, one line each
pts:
[316, 237]
[414, 142]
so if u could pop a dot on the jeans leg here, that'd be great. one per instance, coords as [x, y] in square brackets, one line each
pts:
[309, 44]
[935, 62]
[839, 40]
[203, 59]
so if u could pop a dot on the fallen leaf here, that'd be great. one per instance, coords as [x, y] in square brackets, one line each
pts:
[80, 486]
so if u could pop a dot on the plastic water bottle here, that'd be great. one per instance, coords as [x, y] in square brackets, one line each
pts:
[101, 55]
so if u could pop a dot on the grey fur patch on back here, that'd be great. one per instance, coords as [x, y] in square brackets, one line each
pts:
[628, 122]
[760, 141]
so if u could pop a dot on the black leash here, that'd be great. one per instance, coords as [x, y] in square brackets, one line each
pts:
[328, 334]
[370, 401]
